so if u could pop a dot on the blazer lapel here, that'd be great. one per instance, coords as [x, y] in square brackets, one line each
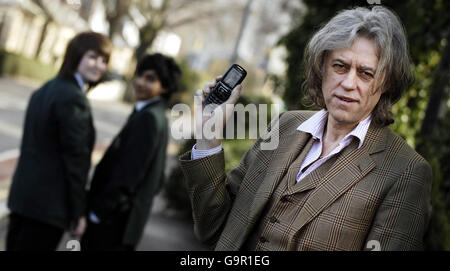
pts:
[153, 103]
[350, 167]
[288, 150]
[307, 183]
[133, 114]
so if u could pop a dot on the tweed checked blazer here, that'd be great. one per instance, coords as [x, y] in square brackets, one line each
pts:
[378, 192]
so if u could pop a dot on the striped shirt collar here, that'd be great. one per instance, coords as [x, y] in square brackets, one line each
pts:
[315, 126]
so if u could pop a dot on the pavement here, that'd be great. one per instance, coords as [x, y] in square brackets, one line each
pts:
[166, 230]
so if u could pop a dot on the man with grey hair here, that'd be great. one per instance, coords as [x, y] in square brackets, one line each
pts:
[339, 179]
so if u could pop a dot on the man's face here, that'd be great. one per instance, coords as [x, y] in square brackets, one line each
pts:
[92, 66]
[348, 80]
[147, 85]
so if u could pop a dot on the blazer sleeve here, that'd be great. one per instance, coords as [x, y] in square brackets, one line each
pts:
[137, 144]
[138, 148]
[212, 191]
[402, 218]
[74, 118]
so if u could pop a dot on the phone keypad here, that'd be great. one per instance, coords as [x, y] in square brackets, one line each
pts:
[218, 95]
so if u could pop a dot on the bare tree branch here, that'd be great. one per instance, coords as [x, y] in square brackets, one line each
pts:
[202, 15]
[184, 4]
[44, 9]
[193, 18]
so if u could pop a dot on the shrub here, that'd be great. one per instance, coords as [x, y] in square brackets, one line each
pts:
[16, 65]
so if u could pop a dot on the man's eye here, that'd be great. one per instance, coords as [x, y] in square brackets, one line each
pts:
[339, 67]
[367, 75]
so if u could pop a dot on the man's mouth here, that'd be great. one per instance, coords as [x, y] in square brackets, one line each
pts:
[347, 99]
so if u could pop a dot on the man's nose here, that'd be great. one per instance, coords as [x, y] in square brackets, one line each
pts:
[349, 81]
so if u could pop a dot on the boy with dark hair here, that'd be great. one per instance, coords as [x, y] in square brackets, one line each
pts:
[132, 170]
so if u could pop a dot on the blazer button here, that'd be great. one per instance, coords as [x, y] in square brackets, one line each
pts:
[263, 239]
[284, 199]
[273, 219]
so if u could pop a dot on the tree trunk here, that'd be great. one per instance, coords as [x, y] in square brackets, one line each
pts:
[235, 53]
[147, 35]
[42, 38]
[436, 101]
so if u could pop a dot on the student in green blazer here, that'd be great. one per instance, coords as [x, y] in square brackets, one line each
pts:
[131, 171]
[47, 194]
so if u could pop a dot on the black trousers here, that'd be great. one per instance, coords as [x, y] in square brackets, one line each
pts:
[27, 234]
[106, 235]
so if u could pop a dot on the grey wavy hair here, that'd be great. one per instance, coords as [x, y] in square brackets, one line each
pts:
[393, 74]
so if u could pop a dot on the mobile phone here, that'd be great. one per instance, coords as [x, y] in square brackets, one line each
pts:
[222, 90]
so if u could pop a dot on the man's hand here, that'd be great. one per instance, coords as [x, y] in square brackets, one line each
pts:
[78, 231]
[219, 114]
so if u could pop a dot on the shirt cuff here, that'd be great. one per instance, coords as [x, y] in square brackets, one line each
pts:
[197, 154]
[93, 218]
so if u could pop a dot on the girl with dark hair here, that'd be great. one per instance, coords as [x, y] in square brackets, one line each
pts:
[47, 193]
[132, 170]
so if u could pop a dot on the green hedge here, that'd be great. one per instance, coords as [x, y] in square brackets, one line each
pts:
[16, 65]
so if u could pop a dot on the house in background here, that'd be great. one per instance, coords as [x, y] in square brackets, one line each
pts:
[27, 30]
[40, 29]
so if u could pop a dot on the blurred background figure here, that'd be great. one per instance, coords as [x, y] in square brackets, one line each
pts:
[47, 193]
[132, 170]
